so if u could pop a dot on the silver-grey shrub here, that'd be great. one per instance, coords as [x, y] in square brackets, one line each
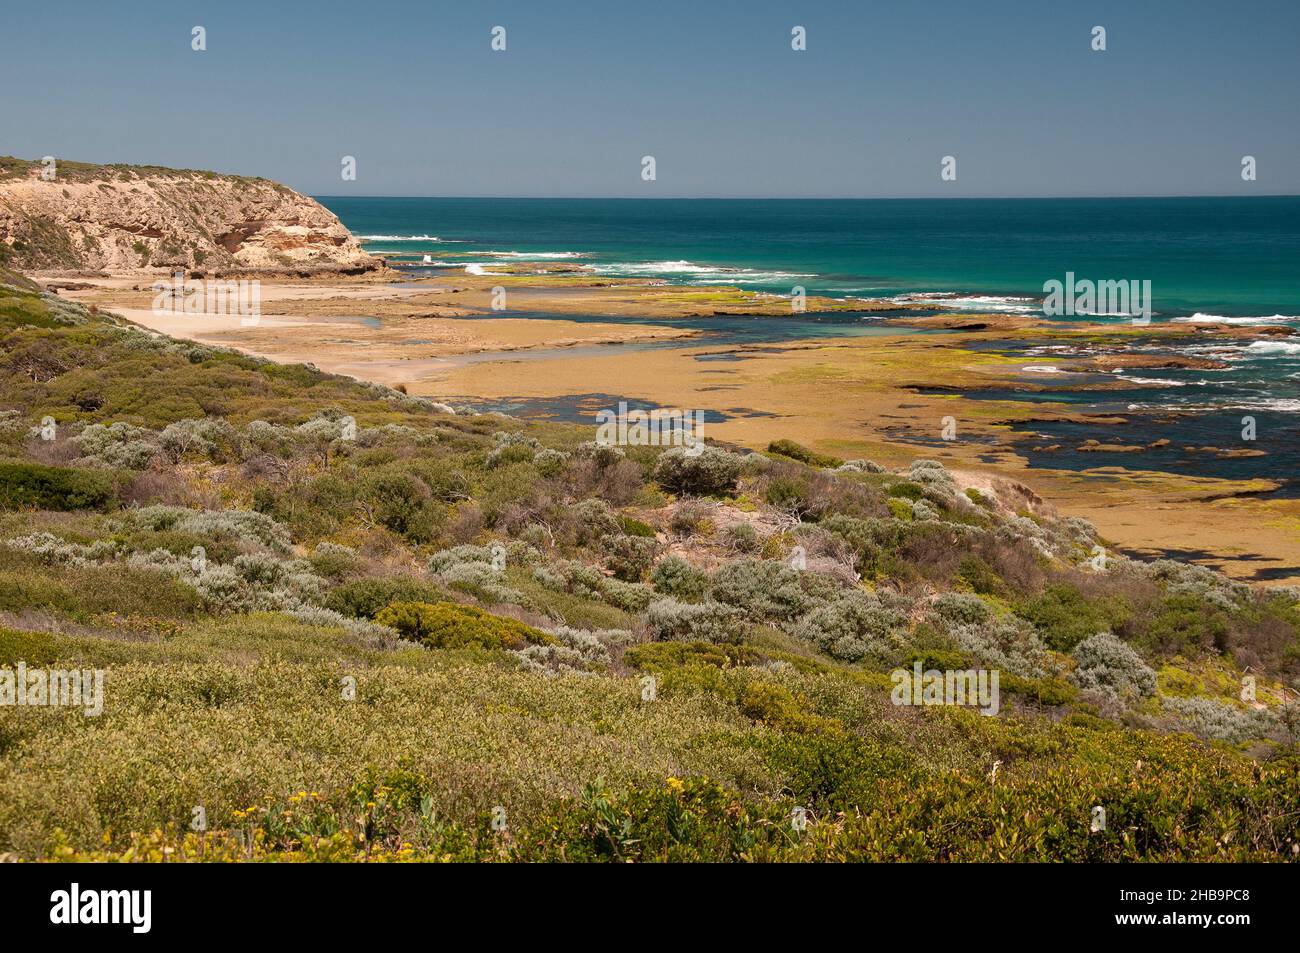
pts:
[668, 619]
[1107, 666]
[768, 590]
[709, 472]
[856, 626]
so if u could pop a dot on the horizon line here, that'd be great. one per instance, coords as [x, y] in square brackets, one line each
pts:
[808, 198]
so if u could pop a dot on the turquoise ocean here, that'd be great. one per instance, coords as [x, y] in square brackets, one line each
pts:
[1207, 259]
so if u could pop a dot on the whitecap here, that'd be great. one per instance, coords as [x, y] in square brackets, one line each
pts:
[1199, 318]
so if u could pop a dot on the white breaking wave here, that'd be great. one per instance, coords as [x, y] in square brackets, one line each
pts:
[1273, 347]
[474, 268]
[536, 254]
[404, 238]
[703, 274]
[1200, 318]
[1042, 369]
[1152, 381]
[1013, 303]
[1233, 403]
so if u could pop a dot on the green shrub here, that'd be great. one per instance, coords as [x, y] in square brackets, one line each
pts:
[795, 451]
[661, 656]
[855, 626]
[979, 576]
[634, 527]
[1065, 617]
[52, 488]
[629, 558]
[906, 490]
[768, 590]
[674, 576]
[446, 625]
[364, 598]
[712, 472]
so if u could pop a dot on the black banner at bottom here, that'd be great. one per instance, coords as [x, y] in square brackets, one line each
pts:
[141, 903]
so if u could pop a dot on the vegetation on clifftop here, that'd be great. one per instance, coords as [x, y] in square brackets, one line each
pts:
[350, 623]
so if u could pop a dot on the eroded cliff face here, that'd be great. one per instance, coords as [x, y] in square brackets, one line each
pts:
[145, 219]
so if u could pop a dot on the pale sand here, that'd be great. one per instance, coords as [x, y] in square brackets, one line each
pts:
[841, 396]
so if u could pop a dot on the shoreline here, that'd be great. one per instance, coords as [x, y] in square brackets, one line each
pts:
[441, 339]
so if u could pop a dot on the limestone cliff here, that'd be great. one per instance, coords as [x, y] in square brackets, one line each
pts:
[147, 219]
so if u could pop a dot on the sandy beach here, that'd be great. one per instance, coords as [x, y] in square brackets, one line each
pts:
[882, 396]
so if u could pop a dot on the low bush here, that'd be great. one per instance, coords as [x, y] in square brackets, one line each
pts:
[446, 625]
[1106, 666]
[52, 488]
[795, 451]
[670, 620]
[712, 472]
[674, 576]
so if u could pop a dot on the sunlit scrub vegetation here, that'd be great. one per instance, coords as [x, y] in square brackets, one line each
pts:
[342, 623]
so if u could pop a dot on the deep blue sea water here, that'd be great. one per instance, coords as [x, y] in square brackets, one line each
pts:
[1223, 256]
[1206, 259]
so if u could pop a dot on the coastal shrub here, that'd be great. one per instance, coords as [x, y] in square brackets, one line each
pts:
[401, 502]
[674, 576]
[742, 538]
[52, 550]
[854, 627]
[1183, 623]
[663, 656]
[712, 472]
[1065, 617]
[905, 490]
[860, 466]
[592, 520]
[796, 495]
[979, 576]
[222, 589]
[587, 581]
[446, 625]
[364, 598]
[962, 608]
[208, 437]
[1005, 643]
[768, 590]
[668, 619]
[482, 581]
[241, 526]
[575, 651]
[549, 463]
[629, 558]
[1219, 721]
[600, 454]
[635, 527]
[795, 451]
[52, 488]
[921, 510]
[1106, 666]
[510, 448]
[369, 634]
[334, 560]
[118, 445]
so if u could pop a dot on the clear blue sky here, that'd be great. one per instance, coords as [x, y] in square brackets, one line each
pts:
[711, 88]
